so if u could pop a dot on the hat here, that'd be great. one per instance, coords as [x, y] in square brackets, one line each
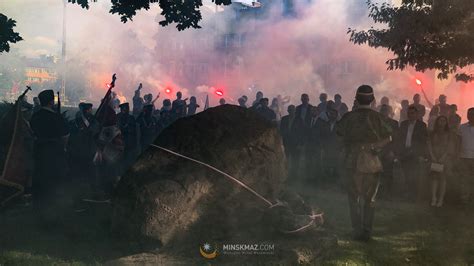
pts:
[124, 106]
[365, 90]
[46, 97]
[365, 95]
[85, 106]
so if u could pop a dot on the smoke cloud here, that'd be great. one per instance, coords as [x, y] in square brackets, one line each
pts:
[305, 52]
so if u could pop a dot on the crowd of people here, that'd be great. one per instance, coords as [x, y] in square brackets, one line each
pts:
[318, 141]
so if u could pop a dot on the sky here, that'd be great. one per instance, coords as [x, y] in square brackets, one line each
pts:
[288, 61]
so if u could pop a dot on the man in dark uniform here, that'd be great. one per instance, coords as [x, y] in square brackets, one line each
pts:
[128, 128]
[364, 132]
[51, 135]
[82, 146]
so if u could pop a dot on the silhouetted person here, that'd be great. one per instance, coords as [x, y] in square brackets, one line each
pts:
[242, 102]
[192, 106]
[312, 149]
[421, 109]
[179, 106]
[82, 146]
[404, 111]
[388, 154]
[137, 102]
[303, 112]
[323, 98]
[364, 132]
[454, 120]
[276, 109]
[258, 97]
[443, 106]
[265, 111]
[340, 107]
[466, 164]
[166, 115]
[386, 101]
[148, 127]
[51, 133]
[330, 145]
[289, 138]
[221, 101]
[128, 128]
[411, 151]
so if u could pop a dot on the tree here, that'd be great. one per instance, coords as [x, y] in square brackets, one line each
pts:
[7, 35]
[185, 14]
[424, 34]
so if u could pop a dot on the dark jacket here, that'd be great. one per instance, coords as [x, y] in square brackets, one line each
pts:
[288, 133]
[418, 141]
[303, 126]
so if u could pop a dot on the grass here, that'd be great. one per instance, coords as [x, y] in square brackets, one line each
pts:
[404, 233]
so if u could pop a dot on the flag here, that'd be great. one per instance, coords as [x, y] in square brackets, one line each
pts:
[14, 154]
[206, 105]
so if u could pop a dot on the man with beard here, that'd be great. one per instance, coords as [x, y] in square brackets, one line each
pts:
[364, 132]
[128, 128]
[51, 135]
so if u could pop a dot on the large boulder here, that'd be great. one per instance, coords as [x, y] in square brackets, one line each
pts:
[166, 198]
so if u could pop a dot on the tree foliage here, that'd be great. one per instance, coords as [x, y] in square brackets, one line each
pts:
[424, 34]
[7, 35]
[184, 13]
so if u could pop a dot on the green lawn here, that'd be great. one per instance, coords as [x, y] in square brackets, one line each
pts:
[404, 234]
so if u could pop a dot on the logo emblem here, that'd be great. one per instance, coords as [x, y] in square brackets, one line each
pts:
[208, 251]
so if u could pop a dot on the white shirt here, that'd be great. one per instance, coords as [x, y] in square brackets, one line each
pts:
[411, 127]
[467, 141]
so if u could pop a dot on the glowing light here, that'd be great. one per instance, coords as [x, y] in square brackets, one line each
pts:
[219, 93]
[108, 85]
[418, 82]
[168, 90]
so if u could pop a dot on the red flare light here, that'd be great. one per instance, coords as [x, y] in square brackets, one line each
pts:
[108, 85]
[219, 93]
[168, 90]
[418, 82]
